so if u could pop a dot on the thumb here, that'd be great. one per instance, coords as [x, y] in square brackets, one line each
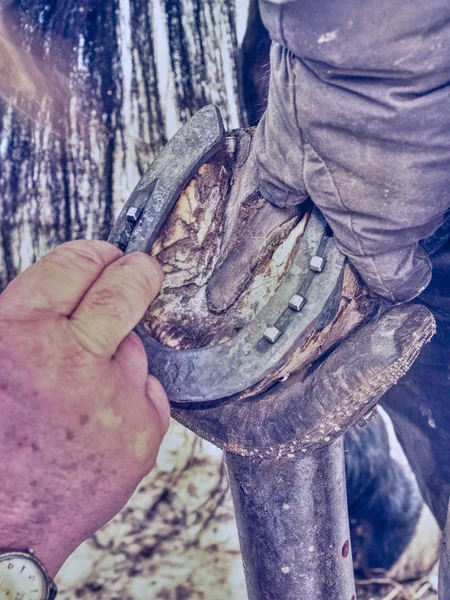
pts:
[132, 358]
[157, 397]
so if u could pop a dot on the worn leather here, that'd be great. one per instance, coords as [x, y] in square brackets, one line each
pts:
[359, 119]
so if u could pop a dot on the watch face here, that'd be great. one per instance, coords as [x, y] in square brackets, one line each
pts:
[21, 579]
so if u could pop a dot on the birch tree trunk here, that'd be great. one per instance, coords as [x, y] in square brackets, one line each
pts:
[123, 75]
[90, 91]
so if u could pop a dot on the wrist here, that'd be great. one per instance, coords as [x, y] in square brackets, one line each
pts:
[19, 538]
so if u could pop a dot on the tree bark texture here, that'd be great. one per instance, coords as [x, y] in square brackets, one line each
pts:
[106, 84]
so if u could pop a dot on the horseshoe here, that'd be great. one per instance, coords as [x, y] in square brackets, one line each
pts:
[306, 300]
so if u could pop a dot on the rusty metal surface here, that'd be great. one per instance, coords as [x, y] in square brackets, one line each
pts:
[206, 375]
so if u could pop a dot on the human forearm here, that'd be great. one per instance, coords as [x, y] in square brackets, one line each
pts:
[73, 450]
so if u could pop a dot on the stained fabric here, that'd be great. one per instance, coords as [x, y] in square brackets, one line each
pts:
[359, 119]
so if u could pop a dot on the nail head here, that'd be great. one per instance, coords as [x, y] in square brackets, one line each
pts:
[133, 214]
[317, 264]
[272, 334]
[297, 302]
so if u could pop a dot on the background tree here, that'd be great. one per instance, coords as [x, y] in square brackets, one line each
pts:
[92, 90]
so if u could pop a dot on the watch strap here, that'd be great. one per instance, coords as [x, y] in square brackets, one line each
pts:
[53, 590]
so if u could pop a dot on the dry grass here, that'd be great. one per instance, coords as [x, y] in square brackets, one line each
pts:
[388, 589]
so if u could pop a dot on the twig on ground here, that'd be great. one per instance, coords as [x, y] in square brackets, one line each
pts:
[422, 591]
[397, 587]
[392, 595]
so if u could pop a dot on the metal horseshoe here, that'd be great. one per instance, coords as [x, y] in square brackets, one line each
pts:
[305, 301]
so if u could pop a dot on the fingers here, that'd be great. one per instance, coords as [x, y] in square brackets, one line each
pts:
[116, 302]
[133, 360]
[158, 397]
[58, 282]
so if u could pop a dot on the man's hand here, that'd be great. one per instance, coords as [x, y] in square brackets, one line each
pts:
[81, 420]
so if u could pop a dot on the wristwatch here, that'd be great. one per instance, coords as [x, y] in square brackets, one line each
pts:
[23, 577]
